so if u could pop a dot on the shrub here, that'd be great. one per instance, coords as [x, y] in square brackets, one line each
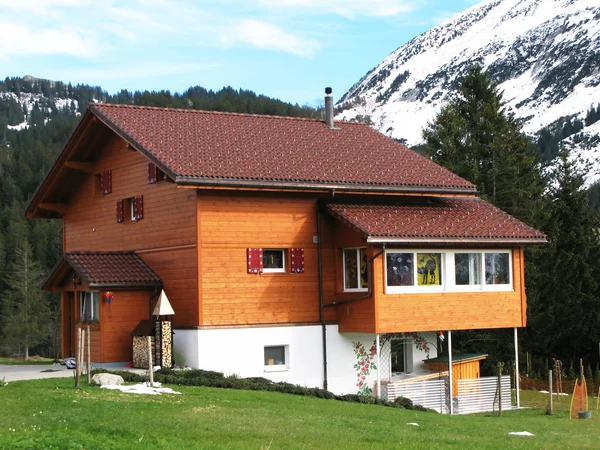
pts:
[209, 378]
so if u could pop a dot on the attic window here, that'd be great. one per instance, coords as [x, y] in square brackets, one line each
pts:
[103, 183]
[155, 174]
[130, 209]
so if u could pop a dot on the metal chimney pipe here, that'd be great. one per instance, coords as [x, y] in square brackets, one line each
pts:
[328, 107]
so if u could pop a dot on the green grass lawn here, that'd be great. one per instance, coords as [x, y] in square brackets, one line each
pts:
[33, 360]
[52, 414]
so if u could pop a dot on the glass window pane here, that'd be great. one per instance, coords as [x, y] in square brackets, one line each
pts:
[364, 275]
[275, 356]
[429, 268]
[467, 268]
[95, 306]
[398, 356]
[350, 269]
[272, 259]
[497, 268]
[399, 269]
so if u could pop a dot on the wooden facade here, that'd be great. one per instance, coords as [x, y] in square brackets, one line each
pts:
[196, 240]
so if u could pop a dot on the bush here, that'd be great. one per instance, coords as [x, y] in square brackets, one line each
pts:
[209, 378]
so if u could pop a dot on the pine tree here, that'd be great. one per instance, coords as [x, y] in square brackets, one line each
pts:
[564, 294]
[25, 310]
[476, 139]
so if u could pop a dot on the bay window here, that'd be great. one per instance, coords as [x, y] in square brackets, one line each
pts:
[447, 270]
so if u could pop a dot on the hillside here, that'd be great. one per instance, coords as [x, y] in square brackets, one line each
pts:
[545, 55]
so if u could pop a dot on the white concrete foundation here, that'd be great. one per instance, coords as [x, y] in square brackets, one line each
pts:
[241, 351]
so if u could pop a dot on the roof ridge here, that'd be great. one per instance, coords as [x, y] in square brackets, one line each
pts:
[218, 113]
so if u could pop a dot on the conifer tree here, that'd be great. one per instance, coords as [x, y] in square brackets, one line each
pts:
[564, 294]
[25, 310]
[476, 139]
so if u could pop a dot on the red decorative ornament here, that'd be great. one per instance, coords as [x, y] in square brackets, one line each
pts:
[108, 297]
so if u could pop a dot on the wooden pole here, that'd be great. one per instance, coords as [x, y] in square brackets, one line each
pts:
[550, 409]
[517, 384]
[150, 371]
[82, 351]
[77, 356]
[450, 377]
[89, 357]
[500, 389]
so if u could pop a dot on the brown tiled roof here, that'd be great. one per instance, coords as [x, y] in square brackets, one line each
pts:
[200, 147]
[436, 219]
[112, 269]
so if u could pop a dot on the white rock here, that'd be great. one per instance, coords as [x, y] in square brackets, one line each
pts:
[102, 379]
[521, 433]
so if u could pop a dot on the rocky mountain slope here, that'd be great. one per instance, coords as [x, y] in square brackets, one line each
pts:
[545, 55]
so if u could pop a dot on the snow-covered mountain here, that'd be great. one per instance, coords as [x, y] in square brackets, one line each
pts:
[545, 55]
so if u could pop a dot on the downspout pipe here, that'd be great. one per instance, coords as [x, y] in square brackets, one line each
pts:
[369, 283]
[321, 305]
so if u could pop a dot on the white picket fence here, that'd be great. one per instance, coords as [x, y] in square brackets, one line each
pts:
[474, 395]
[430, 393]
[481, 395]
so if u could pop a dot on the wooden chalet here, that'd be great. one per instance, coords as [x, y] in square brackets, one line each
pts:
[286, 246]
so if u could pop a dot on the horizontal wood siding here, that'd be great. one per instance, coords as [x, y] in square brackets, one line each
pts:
[357, 316]
[127, 309]
[229, 224]
[169, 213]
[450, 310]
[178, 270]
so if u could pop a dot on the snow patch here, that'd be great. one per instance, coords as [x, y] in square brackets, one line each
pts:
[141, 388]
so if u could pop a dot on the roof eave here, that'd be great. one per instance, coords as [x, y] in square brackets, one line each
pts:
[478, 241]
[316, 187]
[57, 166]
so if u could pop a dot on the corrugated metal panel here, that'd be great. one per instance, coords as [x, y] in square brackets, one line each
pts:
[481, 395]
[430, 394]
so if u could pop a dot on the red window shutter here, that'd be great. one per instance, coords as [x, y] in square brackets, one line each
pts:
[106, 182]
[297, 260]
[254, 257]
[120, 214]
[138, 207]
[152, 177]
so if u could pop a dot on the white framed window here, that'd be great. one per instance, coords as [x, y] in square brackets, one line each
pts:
[401, 357]
[276, 358]
[448, 270]
[274, 260]
[356, 277]
[89, 302]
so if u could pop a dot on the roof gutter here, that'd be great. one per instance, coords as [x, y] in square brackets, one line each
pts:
[392, 240]
[312, 186]
[125, 286]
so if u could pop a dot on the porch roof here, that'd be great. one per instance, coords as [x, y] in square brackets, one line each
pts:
[105, 270]
[436, 220]
[458, 357]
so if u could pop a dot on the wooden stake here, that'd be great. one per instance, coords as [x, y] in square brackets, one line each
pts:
[150, 371]
[89, 357]
[77, 360]
[499, 389]
[550, 409]
[82, 352]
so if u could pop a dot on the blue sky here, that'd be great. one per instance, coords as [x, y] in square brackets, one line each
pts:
[287, 49]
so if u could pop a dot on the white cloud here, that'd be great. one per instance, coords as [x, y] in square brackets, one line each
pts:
[346, 8]
[266, 36]
[18, 40]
